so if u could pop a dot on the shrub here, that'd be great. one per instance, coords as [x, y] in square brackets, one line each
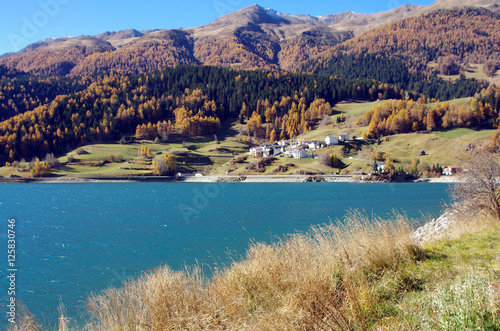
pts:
[240, 159]
[52, 160]
[281, 168]
[165, 166]
[478, 191]
[490, 67]
[80, 151]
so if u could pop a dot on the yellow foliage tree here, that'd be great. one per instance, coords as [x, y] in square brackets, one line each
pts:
[166, 166]
[273, 136]
[389, 165]
[170, 162]
[145, 151]
[40, 169]
[254, 124]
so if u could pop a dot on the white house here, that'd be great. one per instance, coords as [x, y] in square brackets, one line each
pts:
[331, 140]
[266, 150]
[450, 170]
[282, 143]
[381, 167]
[259, 151]
[315, 145]
[296, 152]
[255, 151]
[303, 141]
[277, 149]
[344, 136]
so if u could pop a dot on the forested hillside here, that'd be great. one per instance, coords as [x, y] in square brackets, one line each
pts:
[491, 95]
[452, 38]
[187, 100]
[394, 70]
[21, 92]
[413, 52]
[403, 117]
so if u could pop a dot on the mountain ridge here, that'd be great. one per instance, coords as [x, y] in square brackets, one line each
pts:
[250, 38]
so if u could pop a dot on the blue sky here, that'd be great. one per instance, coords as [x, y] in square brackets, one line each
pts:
[23, 22]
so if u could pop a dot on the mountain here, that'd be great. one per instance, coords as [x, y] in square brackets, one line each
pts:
[120, 38]
[491, 5]
[448, 37]
[253, 37]
[57, 56]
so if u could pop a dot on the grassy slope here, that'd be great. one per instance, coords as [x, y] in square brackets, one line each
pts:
[445, 148]
[204, 155]
[453, 276]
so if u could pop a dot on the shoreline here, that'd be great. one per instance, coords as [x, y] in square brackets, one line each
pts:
[224, 179]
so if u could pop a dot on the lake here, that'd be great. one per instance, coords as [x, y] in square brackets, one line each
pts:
[75, 238]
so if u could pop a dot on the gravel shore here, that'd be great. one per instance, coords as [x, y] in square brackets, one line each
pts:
[436, 229]
[218, 179]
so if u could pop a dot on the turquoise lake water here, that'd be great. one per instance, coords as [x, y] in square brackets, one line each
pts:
[73, 239]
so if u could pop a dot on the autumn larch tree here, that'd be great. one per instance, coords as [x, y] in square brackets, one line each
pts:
[40, 169]
[171, 163]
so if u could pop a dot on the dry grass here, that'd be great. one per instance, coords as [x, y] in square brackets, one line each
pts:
[321, 280]
[25, 321]
[159, 300]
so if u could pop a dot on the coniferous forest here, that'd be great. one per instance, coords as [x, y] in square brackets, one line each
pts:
[194, 98]
[394, 71]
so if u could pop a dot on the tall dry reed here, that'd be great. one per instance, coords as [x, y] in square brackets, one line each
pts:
[25, 321]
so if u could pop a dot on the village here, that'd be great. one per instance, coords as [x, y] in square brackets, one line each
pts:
[298, 149]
